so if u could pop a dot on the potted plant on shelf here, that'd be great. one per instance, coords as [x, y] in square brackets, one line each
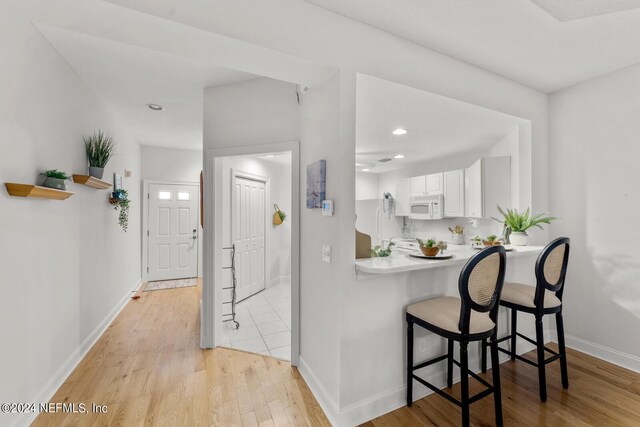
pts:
[120, 200]
[429, 247]
[100, 147]
[55, 179]
[457, 235]
[519, 222]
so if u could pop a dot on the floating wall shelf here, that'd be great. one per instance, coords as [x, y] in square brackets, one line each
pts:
[27, 190]
[91, 182]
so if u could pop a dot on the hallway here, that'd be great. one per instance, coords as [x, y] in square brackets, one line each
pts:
[148, 369]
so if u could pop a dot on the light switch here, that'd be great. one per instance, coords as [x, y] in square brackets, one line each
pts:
[326, 253]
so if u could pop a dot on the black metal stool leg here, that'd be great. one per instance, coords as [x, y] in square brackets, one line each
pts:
[450, 363]
[541, 365]
[562, 350]
[409, 363]
[464, 381]
[514, 330]
[483, 349]
[497, 392]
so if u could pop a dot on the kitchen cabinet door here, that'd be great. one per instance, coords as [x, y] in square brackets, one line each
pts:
[418, 185]
[403, 191]
[473, 190]
[434, 184]
[454, 193]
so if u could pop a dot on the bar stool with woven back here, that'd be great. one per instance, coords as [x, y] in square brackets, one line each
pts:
[472, 317]
[544, 298]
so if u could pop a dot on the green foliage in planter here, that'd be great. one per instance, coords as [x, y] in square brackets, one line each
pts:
[100, 147]
[520, 222]
[377, 251]
[428, 244]
[121, 201]
[282, 215]
[55, 173]
[492, 238]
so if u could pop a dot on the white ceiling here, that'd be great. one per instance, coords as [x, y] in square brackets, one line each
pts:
[514, 38]
[437, 126]
[128, 77]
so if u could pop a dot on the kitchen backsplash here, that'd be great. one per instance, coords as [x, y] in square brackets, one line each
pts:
[438, 229]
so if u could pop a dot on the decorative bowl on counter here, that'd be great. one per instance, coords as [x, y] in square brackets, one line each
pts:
[492, 243]
[430, 251]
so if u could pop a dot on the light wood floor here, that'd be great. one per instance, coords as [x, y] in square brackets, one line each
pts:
[149, 370]
[599, 394]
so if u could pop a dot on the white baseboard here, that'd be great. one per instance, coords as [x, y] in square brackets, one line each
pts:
[321, 394]
[277, 280]
[625, 360]
[391, 400]
[54, 383]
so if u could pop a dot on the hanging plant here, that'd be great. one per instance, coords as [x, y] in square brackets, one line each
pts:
[120, 200]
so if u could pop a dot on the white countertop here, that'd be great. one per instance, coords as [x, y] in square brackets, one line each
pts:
[400, 261]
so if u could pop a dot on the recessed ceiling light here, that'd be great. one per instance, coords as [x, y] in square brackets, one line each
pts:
[366, 170]
[155, 107]
[269, 156]
[399, 131]
[399, 156]
[359, 164]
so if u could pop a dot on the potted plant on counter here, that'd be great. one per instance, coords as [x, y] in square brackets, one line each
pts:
[429, 247]
[100, 147]
[519, 222]
[492, 240]
[56, 179]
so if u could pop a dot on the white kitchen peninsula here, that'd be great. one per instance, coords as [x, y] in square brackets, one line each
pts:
[376, 324]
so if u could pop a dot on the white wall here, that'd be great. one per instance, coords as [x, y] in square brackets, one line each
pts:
[367, 186]
[171, 164]
[593, 169]
[510, 146]
[67, 267]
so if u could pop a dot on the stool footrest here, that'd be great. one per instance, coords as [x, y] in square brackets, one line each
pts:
[429, 362]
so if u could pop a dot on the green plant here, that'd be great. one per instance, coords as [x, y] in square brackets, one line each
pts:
[100, 147]
[377, 251]
[456, 230]
[282, 215]
[477, 239]
[430, 243]
[55, 173]
[520, 222]
[491, 238]
[120, 200]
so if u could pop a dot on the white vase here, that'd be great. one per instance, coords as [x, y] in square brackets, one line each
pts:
[519, 238]
[457, 239]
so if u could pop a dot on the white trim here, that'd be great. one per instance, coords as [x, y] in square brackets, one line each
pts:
[237, 173]
[55, 382]
[619, 358]
[321, 394]
[388, 401]
[211, 319]
[145, 222]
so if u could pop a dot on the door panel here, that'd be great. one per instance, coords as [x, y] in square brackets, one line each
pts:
[173, 228]
[248, 234]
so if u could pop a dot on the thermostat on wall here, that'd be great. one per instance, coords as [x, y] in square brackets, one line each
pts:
[327, 207]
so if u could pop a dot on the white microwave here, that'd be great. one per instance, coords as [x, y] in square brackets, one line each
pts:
[426, 207]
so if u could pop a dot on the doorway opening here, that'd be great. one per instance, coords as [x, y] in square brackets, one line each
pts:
[256, 217]
[171, 231]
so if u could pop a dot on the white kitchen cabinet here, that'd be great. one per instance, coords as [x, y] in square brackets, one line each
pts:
[454, 193]
[403, 191]
[419, 185]
[487, 185]
[434, 184]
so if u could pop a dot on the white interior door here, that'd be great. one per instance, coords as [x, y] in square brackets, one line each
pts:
[173, 231]
[248, 220]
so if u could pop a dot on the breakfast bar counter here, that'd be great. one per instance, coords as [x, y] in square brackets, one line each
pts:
[400, 261]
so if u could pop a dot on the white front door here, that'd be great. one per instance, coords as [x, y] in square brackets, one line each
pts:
[173, 231]
[248, 220]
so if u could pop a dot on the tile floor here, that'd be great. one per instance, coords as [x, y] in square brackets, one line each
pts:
[265, 323]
